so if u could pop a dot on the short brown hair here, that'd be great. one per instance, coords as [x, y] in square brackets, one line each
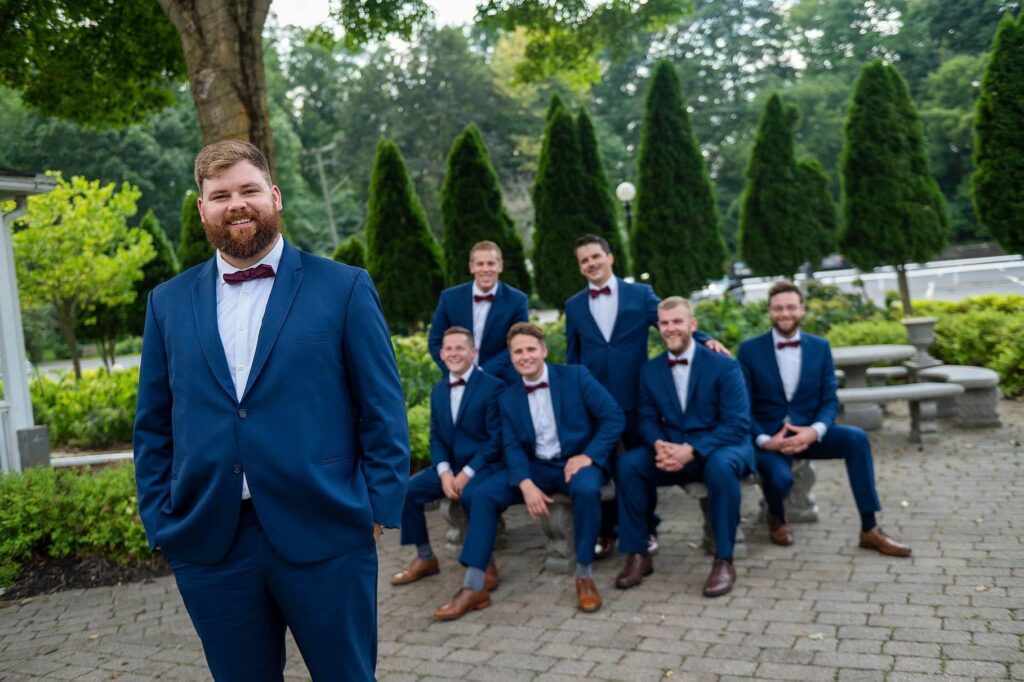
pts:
[676, 302]
[216, 158]
[485, 246]
[527, 329]
[592, 239]
[784, 286]
[450, 331]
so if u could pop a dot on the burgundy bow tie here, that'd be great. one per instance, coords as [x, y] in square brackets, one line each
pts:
[787, 344]
[258, 272]
[605, 291]
[681, 361]
[477, 298]
[531, 389]
[457, 382]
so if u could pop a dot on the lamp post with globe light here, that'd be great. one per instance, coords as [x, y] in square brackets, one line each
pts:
[625, 193]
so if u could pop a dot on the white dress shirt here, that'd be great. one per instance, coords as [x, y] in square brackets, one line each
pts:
[605, 308]
[790, 361]
[542, 413]
[240, 309]
[480, 311]
[681, 373]
[456, 402]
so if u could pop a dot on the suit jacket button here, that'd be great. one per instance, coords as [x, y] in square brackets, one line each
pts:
[243, 414]
[237, 468]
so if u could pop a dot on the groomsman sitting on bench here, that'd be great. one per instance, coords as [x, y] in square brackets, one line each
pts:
[695, 418]
[465, 448]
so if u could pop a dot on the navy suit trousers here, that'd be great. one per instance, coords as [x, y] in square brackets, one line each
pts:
[847, 443]
[240, 606]
[425, 487]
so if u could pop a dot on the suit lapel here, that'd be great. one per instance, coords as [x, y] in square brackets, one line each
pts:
[773, 364]
[204, 304]
[808, 352]
[444, 408]
[492, 312]
[668, 385]
[589, 324]
[625, 300]
[525, 420]
[696, 367]
[467, 395]
[286, 285]
[555, 388]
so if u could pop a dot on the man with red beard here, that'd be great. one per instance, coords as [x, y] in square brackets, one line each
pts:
[271, 441]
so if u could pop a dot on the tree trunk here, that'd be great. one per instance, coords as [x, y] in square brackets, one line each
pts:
[901, 278]
[66, 323]
[223, 45]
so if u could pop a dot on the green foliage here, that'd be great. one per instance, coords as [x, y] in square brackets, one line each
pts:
[867, 333]
[999, 148]
[827, 305]
[69, 512]
[472, 210]
[554, 337]
[415, 367]
[819, 209]
[598, 204]
[559, 214]
[676, 237]
[1001, 303]
[352, 252]
[974, 338]
[96, 411]
[731, 322]
[402, 254]
[1010, 365]
[419, 435]
[193, 248]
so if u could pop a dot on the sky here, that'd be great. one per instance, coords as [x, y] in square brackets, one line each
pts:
[309, 13]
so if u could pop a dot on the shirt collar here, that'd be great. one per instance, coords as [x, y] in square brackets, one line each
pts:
[465, 375]
[479, 292]
[687, 354]
[612, 284]
[777, 337]
[273, 259]
[543, 378]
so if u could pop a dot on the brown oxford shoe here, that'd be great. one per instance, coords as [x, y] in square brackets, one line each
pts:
[465, 600]
[778, 532]
[877, 539]
[721, 579]
[418, 568]
[632, 574]
[491, 579]
[586, 593]
[605, 548]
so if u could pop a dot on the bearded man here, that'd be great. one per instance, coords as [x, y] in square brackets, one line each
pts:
[271, 441]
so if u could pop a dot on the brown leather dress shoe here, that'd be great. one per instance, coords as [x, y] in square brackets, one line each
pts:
[586, 593]
[637, 566]
[465, 600]
[418, 568]
[605, 548]
[491, 580]
[778, 532]
[721, 579]
[877, 539]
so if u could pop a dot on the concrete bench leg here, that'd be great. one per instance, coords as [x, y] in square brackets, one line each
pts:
[923, 426]
[978, 408]
[458, 523]
[559, 550]
[947, 408]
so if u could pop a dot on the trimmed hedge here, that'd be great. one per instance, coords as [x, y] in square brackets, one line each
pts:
[97, 411]
[867, 333]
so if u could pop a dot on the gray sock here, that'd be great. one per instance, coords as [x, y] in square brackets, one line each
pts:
[424, 551]
[474, 579]
[584, 570]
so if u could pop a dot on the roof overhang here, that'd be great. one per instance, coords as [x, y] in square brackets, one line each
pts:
[12, 186]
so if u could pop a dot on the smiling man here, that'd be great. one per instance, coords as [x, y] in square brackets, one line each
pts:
[270, 437]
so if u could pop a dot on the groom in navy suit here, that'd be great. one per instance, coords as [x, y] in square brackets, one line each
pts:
[465, 448]
[792, 385]
[270, 439]
[487, 307]
[694, 420]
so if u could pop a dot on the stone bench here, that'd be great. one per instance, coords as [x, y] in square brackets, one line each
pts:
[879, 376]
[978, 405]
[923, 398]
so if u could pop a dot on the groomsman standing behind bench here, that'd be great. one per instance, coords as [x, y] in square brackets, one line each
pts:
[486, 306]
[558, 428]
[792, 385]
[465, 448]
[695, 420]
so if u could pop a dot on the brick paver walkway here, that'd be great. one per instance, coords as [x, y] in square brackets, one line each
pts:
[819, 610]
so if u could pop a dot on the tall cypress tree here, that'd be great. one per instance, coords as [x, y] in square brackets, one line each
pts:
[998, 182]
[785, 208]
[351, 252]
[598, 204]
[558, 211]
[676, 237]
[403, 256]
[554, 104]
[472, 210]
[193, 247]
[893, 210]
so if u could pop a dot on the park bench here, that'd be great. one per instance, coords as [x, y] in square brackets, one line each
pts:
[922, 397]
[978, 405]
[879, 376]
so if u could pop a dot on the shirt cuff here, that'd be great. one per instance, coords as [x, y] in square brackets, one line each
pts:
[444, 468]
[820, 429]
[762, 439]
[469, 471]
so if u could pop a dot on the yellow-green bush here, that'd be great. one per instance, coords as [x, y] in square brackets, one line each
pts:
[867, 333]
[95, 411]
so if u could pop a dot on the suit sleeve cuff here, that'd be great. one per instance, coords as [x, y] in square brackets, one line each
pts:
[469, 471]
[820, 429]
[444, 468]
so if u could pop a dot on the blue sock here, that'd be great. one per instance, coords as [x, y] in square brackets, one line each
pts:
[425, 551]
[474, 579]
[584, 570]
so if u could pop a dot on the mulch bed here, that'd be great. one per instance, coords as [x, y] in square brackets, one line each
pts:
[47, 575]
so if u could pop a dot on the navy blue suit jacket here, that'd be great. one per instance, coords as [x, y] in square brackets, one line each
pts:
[474, 438]
[320, 432]
[455, 308]
[616, 363]
[815, 397]
[588, 420]
[717, 409]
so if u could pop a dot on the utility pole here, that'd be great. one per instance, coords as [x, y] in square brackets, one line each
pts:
[320, 151]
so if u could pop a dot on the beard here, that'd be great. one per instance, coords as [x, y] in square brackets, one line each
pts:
[243, 243]
[787, 328]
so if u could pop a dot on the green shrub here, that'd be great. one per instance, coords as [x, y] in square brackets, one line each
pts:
[730, 322]
[554, 335]
[1010, 365]
[1001, 303]
[827, 306]
[416, 368]
[96, 411]
[867, 333]
[29, 515]
[974, 338]
[419, 435]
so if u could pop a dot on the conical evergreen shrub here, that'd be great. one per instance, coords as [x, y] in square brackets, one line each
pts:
[351, 252]
[598, 204]
[193, 248]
